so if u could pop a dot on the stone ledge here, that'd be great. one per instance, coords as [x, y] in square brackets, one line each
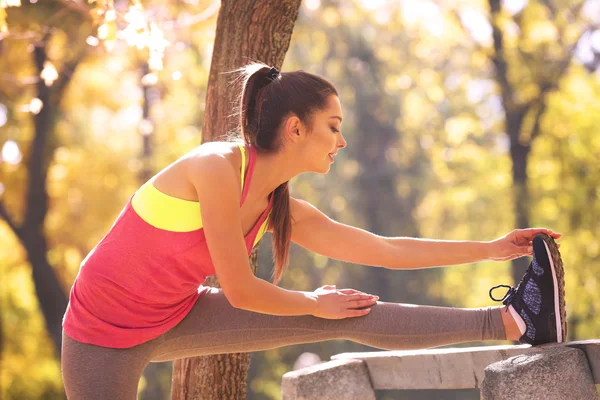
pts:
[451, 368]
[339, 379]
[557, 373]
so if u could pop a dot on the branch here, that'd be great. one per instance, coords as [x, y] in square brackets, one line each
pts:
[29, 35]
[66, 73]
[550, 8]
[498, 58]
[538, 118]
[546, 87]
[77, 7]
[211, 10]
[11, 223]
[455, 14]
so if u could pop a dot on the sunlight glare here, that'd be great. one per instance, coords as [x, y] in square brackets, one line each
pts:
[103, 31]
[477, 24]
[426, 14]
[92, 41]
[514, 6]
[373, 4]
[157, 45]
[312, 5]
[3, 115]
[584, 52]
[49, 73]
[11, 153]
[110, 15]
[595, 40]
[35, 106]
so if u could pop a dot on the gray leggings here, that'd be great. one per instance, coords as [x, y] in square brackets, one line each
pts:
[214, 327]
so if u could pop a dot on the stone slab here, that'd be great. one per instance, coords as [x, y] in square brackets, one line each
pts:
[339, 379]
[558, 373]
[451, 368]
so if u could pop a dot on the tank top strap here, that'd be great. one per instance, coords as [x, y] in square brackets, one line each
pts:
[248, 176]
[243, 153]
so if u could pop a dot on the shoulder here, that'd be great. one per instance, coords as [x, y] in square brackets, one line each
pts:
[214, 157]
[214, 163]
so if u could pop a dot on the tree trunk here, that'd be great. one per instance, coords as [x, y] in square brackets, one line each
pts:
[516, 112]
[519, 155]
[246, 30]
[49, 291]
[156, 375]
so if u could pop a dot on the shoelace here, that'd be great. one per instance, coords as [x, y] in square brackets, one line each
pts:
[506, 299]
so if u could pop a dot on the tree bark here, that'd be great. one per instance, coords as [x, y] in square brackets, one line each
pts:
[246, 31]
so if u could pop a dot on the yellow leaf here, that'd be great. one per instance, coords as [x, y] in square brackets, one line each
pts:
[458, 128]
[3, 26]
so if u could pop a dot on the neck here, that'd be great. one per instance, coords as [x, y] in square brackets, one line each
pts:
[273, 169]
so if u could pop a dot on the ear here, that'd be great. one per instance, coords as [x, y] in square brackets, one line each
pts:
[293, 129]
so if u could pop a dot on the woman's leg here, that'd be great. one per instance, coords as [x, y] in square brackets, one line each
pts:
[213, 326]
[99, 373]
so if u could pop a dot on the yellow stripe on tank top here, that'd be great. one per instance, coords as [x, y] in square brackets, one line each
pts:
[261, 230]
[173, 214]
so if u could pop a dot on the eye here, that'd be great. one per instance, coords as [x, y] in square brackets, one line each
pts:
[334, 130]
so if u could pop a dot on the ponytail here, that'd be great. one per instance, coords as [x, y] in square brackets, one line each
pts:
[267, 98]
[280, 222]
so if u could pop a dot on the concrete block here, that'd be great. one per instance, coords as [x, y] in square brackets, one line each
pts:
[556, 373]
[340, 380]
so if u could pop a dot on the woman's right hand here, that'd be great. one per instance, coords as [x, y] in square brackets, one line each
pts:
[343, 303]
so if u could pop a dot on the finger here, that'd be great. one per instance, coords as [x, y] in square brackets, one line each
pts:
[362, 303]
[349, 291]
[549, 232]
[356, 292]
[358, 313]
[361, 296]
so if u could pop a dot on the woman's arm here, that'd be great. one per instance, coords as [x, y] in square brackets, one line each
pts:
[215, 180]
[315, 231]
[216, 183]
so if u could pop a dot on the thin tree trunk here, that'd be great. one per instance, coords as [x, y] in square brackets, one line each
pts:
[49, 291]
[519, 155]
[516, 113]
[246, 31]
[157, 375]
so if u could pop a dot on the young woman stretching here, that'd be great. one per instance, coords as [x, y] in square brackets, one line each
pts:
[138, 297]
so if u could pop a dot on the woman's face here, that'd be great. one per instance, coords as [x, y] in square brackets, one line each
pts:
[325, 138]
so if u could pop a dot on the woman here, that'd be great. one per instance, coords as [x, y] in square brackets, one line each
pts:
[138, 296]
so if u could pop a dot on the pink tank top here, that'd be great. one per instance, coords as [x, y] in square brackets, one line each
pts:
[140, 281]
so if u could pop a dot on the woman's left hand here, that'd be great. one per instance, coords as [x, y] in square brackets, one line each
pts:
[517, 243]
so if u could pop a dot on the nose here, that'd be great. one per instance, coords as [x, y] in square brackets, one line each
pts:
[342, 142]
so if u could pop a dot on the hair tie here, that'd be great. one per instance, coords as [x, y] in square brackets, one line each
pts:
[273, 73]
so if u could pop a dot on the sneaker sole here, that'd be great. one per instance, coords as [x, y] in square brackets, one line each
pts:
[558, 275]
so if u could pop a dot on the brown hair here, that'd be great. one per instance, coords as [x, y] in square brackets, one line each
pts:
[265, 103]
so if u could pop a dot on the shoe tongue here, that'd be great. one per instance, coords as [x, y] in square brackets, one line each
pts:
[521, 287]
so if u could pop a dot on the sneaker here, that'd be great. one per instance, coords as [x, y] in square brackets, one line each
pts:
[540, 296]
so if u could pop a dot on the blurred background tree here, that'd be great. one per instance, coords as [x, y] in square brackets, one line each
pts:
[464, 120]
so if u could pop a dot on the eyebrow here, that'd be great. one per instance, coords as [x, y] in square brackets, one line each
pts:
[335, 116]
